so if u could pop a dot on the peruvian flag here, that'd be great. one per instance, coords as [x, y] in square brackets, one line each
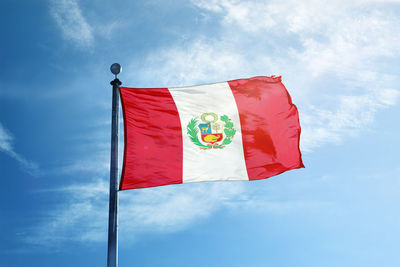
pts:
[245, 129]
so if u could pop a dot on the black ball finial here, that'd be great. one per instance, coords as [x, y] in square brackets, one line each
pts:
[116, 69]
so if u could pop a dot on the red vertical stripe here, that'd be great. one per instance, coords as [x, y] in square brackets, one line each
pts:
[270, 126]
[153, 139]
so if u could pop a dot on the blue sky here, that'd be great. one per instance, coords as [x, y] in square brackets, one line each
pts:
[338, 59]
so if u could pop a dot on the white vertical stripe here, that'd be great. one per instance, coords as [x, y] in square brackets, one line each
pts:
[213, 164]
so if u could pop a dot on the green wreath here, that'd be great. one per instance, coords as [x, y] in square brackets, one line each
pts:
[192, 131]
[229, 131]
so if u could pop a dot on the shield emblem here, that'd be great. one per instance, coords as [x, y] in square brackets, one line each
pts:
[207, 135]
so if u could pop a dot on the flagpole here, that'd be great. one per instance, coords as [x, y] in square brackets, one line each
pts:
[112, 255]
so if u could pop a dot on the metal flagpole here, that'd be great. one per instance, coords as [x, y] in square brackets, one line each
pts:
[112, 255]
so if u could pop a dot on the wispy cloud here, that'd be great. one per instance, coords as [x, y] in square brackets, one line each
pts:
[5, 139]
[74, 26]
[353, 113]
[99, 165]
[331, 56]
[6, 146]
[165, 209]
[199, 61]
[83, 203]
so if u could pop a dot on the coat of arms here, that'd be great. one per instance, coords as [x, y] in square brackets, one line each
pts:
[215, 132]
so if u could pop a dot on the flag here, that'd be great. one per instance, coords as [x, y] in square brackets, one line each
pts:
[246, 129]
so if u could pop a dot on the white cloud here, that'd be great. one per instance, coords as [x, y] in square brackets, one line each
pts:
[74, 219]
[352, 114]
[6, 146]
[201, 60]
[5, 139]
[98, 165]
[83, 214]
[174, 207]
[332, 56]
[74, 26]
[294, 16]
[107, 30]
[165, 209]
